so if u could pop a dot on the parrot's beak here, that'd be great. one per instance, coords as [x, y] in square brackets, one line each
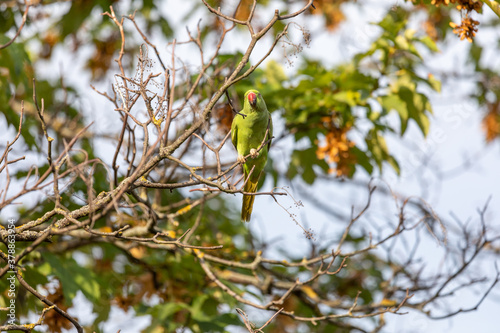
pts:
[252, 98]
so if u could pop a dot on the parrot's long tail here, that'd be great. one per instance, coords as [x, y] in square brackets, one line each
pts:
[246, 208]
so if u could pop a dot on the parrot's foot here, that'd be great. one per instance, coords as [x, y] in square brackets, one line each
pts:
[254, 153]
[241, 159]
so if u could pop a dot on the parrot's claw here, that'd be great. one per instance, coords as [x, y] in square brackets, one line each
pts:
[241, 159]
[254, 153]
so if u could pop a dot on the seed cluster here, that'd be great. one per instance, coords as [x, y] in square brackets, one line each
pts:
[468, 27]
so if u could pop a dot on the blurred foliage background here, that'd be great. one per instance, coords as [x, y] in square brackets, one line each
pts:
[333, 119]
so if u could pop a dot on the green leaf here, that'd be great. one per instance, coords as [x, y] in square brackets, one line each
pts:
[7, 22]
[274, 75]
[394, 21]
[362, 159]
[164, 311]
[417, 104]
[378, 149]
[304, 160]
[422, 105]
[475, 55]
[34, 276]
[434, 83]
[74, 18]
[349, 97]
[197, 312]
[73, 277]
[402, 43]
[427, 41]
[309, 175]
[393, 102]
[165, 28]
[394, 163]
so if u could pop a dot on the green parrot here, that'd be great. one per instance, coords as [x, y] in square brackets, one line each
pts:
[248, 133]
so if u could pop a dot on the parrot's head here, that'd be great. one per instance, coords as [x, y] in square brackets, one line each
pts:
[254, 98]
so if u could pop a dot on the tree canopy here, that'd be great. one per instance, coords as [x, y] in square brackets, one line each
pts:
[118, 179]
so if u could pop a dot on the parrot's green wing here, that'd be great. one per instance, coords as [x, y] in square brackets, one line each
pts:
[234, 132]
[248, 134]
[270, 134]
